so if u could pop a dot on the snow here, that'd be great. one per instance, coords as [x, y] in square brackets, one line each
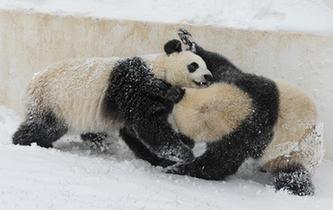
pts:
[284, 15]
[76, 175]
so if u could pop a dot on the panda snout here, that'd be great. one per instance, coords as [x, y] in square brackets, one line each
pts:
[208, 77]
[206, 80]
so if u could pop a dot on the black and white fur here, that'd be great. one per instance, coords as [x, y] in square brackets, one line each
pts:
[102, 94]
[242, 116]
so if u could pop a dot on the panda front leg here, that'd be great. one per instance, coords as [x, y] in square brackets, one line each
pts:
[293, 178]
[140, 150]
[41, 128]
[220, 160]
[158, 136]
[151, 127]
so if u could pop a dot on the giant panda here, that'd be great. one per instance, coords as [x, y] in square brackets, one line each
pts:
[243, 116]
[102, 94]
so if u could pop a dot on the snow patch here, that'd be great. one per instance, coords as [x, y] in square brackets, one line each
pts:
[286, 15]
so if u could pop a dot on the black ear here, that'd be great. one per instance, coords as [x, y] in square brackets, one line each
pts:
[173, 46]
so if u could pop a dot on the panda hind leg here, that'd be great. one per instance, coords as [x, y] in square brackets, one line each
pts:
[43, 129]
[295, 179]
[96, 138]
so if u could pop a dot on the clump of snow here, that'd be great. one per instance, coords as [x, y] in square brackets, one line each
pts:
[287, 15]
[75, 176]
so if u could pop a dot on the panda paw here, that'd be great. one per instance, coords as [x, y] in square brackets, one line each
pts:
[296, 180]
[187, 39]
[175, 169]
[180, 153]
[175, 94]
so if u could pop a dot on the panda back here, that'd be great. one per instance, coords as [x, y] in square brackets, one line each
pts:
[210, 113]
[295, 133]
[74, 91]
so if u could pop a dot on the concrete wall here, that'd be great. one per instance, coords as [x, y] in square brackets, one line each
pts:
[31, 41]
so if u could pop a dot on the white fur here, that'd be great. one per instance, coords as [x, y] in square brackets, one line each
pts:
[208, 114]
[74, 91]
[294, 132]
[199, 149]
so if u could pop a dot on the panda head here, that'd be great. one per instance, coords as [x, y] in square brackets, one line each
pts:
[184, 68]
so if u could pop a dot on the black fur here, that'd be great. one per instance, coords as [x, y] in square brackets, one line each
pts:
[144, 102]
[192, 67]
[96, 138]
[295, 179]
[140, 150]
[223, 157]
[44, 129]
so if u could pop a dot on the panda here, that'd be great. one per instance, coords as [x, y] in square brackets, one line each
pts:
[238, 117]
[102, 94]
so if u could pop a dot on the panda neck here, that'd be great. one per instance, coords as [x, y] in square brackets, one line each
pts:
[157, 65]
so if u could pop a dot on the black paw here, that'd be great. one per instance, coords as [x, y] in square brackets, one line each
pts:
[187, 39]
[97, 139]
[93, 137]
[20, 141]
[296, 180]
[177, 153]
[175, 94]
[25, 135]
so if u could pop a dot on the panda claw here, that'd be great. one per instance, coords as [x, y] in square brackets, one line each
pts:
[186, 38]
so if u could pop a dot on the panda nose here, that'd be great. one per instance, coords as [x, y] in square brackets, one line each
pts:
[208, 77]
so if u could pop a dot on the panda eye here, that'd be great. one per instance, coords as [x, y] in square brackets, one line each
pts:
[192, 67]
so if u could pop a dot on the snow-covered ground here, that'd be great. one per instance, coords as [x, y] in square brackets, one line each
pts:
[77, 176]
[284, 15]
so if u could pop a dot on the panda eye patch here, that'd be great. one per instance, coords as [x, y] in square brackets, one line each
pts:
[192, 67]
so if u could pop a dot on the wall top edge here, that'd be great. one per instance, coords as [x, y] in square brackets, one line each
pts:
[170, 24]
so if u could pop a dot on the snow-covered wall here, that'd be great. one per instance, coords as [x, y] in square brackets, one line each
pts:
[277, 15]
[30, 41]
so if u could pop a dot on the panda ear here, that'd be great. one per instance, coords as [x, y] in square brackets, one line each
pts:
[173, 46]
